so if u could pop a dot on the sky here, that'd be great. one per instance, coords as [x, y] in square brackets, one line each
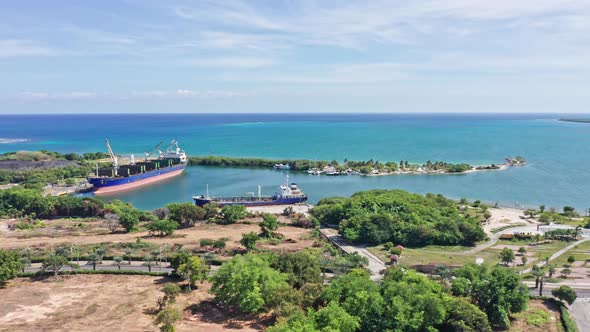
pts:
[126, 56]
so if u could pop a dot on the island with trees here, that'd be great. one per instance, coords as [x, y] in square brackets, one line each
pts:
[350, 167]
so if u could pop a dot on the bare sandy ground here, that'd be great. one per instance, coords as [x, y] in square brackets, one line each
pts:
[503, 217]
[78, 303]
[278, 209]
[189, 237]
[108, 302]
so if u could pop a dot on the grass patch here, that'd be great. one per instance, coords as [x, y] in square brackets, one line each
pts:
[537, 317]
[581, 252]
[451, 255]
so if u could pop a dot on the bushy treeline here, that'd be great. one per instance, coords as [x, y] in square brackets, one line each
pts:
[296, 164]
[51, 155]
[364, 167]
[19, 202]
[291, 286]
[40, 178]
[381, 216]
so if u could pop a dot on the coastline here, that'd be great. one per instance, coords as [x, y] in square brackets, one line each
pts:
[474, 169]
[361, 168]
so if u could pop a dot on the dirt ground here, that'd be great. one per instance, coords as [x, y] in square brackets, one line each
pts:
[108, 302]
[554, 325]
[296, 238]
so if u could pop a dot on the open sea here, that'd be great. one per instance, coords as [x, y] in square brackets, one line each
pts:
[558, 153]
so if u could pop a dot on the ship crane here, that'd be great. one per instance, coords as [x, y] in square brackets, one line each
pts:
[173, 143]
[148, 155]
[113, 157]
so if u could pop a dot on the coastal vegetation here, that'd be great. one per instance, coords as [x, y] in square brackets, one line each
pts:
[369, 167]
[408, 301]
[380, 216]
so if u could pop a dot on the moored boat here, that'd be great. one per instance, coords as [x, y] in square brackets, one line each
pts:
[117, 178]
[288, 194]
[282, 166]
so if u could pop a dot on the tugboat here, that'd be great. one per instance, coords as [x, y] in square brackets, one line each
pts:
[289, 194]
[169, 163]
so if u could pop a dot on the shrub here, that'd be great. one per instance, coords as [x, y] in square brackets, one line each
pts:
[219, 244]
[205, 242]
[537, 317]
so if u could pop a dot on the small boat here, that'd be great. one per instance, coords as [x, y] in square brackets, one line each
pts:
[333, 173]
[313, 171]
[282, 166]
[288, 194]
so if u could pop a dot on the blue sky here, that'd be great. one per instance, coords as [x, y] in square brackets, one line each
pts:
[294, 56]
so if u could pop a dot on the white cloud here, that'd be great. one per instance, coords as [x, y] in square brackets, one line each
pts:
[185, 93]
[55, 96]
[18, 48]
[164, 94]
[231, 62]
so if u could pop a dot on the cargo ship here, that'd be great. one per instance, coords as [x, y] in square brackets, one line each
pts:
[117, 178]
[288, 194]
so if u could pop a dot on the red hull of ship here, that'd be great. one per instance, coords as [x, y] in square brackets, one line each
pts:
[135, 184]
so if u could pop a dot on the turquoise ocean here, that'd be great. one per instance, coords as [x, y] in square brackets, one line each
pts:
[558, 153]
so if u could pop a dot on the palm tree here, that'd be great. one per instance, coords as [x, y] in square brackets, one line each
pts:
[537, 272]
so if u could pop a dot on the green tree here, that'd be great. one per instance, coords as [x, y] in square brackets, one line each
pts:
[211, 210]
[93, 259]
[232, 213]
[148, 261]
[465, 317]
[128, 215]
[129, 253]
[248, 283]
[170, 291]
[249, 241]
[565, 272]
[335, 318]
[461, 286]
[192, 270]
[498, 294]
[10, 265]
[565, 293]
[538, 273]
[269, 225]
[54, 263]
[522, 250]
[301, 267]
[166, 319]
[358, 295]
[185, 214]
[412, 302]
[163, 227]
[118, 260]
[571, 259]
[506, 256]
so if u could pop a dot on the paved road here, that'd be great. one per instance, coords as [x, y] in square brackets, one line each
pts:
[557, 254]
[375, 264]
[580, 311]
[109, 265]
